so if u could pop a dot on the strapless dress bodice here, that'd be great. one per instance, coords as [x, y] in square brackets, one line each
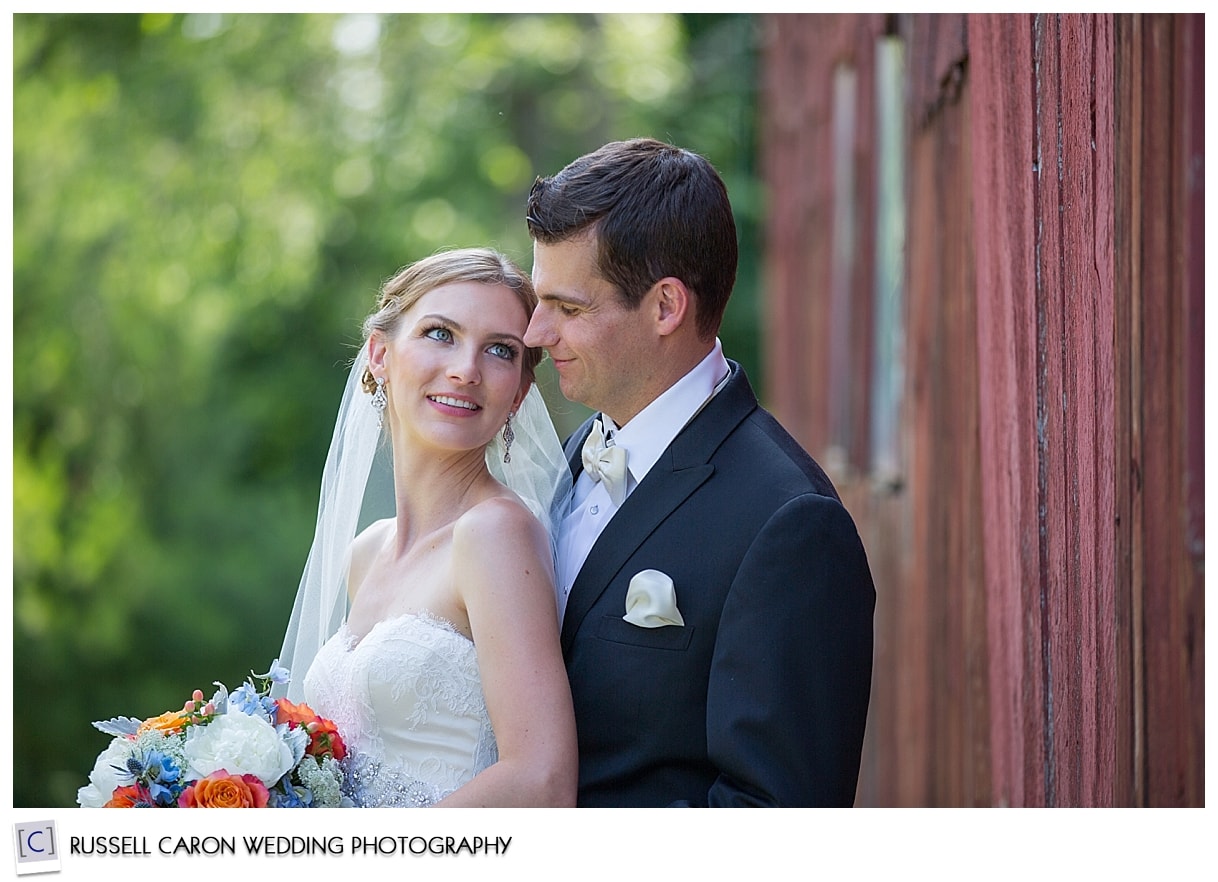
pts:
[408, 702]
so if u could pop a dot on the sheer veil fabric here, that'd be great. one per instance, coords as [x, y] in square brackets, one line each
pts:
[537, 472]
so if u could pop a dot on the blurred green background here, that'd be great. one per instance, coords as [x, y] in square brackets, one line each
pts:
[204, 207]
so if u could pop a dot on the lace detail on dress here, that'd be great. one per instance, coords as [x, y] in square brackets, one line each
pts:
[379, 785]
[408, 701]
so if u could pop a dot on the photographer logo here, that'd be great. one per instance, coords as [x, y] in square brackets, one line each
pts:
[36, 847]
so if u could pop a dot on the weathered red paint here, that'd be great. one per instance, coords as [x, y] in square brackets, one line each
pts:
[1040, 619]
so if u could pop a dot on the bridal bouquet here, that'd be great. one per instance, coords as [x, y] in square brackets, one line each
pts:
[242, 749]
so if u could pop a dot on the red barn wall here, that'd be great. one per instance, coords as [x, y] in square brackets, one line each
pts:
[1038, 543]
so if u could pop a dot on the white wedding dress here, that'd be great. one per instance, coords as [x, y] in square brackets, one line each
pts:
[408, 702]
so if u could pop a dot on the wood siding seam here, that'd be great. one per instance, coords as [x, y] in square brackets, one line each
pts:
[1042, 422]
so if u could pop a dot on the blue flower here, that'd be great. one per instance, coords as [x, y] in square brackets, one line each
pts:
[277, 673]
[161, 774]
[161, 767]
[247, 700]
[156, 774]
[130, 771]
[287, 795]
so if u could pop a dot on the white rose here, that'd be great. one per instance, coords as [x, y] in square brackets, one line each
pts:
[240, 744]
[105, 779]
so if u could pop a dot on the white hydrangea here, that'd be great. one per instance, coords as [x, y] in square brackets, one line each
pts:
[323, 778]
[240, 744]
[173, 746]
[105, 779]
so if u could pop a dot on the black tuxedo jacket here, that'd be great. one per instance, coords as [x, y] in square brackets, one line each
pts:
[761, 697]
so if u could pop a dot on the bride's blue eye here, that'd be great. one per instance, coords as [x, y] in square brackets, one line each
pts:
[503, 350]
[444, 335]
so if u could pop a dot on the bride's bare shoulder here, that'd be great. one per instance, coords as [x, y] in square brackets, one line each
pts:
[500, 519]
[501, 555]
[372, 538]
[364, 549]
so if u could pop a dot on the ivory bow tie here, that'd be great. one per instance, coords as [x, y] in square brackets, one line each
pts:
[605, 463]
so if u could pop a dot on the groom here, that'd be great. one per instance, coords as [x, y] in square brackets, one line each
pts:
[715, 597]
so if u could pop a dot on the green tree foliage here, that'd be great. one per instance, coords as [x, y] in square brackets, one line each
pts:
[204, 207]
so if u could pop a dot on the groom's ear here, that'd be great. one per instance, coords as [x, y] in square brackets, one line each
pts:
[672, 304]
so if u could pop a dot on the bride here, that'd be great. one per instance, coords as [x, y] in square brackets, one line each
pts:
[440, 662]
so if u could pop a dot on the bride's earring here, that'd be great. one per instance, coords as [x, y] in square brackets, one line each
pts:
[508, 437]
[379, 400]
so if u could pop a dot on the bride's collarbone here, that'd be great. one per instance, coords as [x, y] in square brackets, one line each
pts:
[385, 561]
[418, 582]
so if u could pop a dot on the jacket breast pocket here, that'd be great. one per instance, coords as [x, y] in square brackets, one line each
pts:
[670, 637]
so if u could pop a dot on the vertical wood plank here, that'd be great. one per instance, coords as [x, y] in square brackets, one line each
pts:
[1052, 602]
[1158, 456]
[1190, 117]
[945, 597]
[1170, 311]
[1087, 413]
[975, 785]
[1128, 780]
[863, 38]
[1002, 84]
[1105, 789]
[915, 635]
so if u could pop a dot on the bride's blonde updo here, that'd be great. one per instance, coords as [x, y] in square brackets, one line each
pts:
[482, 265]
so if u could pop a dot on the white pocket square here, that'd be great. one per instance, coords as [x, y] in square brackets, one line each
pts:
[651, 601]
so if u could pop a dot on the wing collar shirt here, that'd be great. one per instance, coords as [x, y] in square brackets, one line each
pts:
[644, 439]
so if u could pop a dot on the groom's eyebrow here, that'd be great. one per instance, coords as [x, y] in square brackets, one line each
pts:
[558, 297]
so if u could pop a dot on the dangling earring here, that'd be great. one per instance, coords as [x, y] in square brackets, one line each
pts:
[508, 437]
[379, 400]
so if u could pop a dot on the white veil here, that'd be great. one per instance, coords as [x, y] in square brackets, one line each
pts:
[537, 472]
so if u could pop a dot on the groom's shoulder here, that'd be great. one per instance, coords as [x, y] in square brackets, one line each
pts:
[774, 452]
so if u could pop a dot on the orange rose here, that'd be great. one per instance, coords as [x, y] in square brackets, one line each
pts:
[296, 714]
[222, 790]
[323, 734]
[168, 723]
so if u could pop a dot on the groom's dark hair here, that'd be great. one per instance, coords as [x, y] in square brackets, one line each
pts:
[656, 210]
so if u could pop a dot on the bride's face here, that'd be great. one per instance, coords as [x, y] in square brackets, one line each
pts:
[454, 367]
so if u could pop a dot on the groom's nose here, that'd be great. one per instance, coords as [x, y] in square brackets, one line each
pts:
[541, 330]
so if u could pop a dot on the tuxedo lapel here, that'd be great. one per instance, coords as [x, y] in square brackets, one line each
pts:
[683, 467]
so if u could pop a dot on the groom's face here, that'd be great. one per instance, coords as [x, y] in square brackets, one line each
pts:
[599, 346]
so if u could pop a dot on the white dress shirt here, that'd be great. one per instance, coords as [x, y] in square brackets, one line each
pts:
[644, 439]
